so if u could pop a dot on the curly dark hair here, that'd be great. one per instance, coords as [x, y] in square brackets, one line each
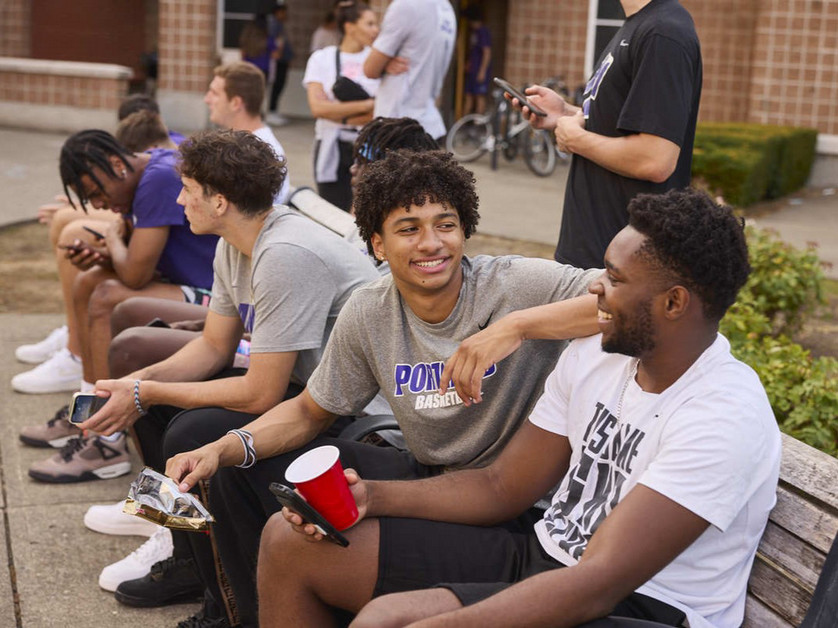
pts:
[236, 164]
[384, 134]
[84, 151]
[695, 241]
[405, 178]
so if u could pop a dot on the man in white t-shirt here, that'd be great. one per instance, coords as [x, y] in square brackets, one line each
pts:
[234, 98]
[664, 444]
[411, 55]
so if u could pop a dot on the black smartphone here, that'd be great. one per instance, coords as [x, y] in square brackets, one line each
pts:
[158, 322]
[84, 406]
[70, 247]
[286, 496]
[95, 233]
[505, 86]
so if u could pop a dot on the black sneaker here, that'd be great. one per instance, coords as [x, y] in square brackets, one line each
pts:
[169, 581]
[200, 620]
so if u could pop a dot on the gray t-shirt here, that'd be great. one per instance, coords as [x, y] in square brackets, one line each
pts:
[289, 293]
[424, 32]
[378, 342]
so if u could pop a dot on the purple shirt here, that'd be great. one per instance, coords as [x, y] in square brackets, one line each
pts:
[187, 258]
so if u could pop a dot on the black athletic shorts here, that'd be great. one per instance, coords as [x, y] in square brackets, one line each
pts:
[476, 562]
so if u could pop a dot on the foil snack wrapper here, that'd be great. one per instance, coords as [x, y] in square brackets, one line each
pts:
[156, 498]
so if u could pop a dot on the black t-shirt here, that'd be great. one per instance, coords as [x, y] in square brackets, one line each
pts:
[648, 81]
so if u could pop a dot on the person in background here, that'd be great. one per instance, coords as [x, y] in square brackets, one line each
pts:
[255, 45]
[282, 54]
[479, 63]
[326, 34]
[411, 55]
[338, 121]
[142, 131]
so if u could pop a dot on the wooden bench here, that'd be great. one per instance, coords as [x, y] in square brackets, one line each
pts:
[799, 534]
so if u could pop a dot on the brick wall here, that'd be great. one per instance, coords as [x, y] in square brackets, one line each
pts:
[795, 64]
[73, 91]
[187, 46]
[14, 28]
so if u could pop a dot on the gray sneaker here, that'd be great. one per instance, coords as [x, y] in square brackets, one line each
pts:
[54, 433]
[83, 459]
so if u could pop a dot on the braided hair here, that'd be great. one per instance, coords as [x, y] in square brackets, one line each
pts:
[84, 151]
[385, 134]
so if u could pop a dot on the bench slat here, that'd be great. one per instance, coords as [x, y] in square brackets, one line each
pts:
[809, 470]
[758, 615]
[770, 584]
[804, 519]
[801, 563]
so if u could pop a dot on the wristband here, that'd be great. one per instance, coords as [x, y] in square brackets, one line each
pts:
[246, 439]
[137, 403]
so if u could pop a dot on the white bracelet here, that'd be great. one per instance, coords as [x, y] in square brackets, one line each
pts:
[137, 403]
[246, 439]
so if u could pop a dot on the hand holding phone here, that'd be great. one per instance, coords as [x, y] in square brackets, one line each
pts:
[505, 86]
[289, 498]
[84, 406]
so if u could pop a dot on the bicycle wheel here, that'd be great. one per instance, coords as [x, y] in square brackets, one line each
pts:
[469, 136]
[539, 152]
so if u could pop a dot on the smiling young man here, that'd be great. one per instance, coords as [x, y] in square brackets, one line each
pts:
[664, 445]
[279, 277]
[415, 211]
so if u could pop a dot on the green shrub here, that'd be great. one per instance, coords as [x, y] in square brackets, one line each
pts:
[725, 156]
[785, 285]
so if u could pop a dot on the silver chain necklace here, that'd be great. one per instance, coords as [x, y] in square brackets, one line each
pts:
[632, 374]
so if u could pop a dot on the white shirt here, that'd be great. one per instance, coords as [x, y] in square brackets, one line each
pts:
[265, 134]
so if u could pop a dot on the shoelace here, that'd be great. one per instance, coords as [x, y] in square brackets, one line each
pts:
[71, 447]
[61, 415]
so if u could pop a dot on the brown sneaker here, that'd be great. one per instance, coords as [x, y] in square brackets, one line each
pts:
[83, 459]
[54, 433]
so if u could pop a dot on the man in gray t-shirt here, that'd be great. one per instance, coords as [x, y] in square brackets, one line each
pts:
[415, 211]
[412, 54]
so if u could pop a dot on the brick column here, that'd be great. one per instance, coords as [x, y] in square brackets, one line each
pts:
[15, 18]
[187, 55]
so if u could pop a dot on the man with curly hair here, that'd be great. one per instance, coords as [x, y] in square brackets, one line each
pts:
[279, 277]
[415, 210]
[665, 447]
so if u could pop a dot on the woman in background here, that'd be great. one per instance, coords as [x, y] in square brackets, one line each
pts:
[338, 121]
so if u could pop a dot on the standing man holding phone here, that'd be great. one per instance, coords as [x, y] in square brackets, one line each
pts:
[635, 129]
[411, 56]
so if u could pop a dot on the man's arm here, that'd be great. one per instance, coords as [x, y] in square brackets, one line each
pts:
[572, 318]
[286, 427]
[643, 534]
[136, 262]
[639, 156]
[377, 64]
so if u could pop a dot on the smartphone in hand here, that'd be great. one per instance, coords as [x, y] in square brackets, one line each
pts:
[505, 86]
[84, 406]
[289, 498]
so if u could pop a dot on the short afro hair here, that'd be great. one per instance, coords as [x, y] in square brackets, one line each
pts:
[695, 241]
[236, 164]
[405, 178]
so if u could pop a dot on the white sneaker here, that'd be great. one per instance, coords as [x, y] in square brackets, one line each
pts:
[138, 563]
[275, 119]
[109, 519]
[42, 351]
[61, 372]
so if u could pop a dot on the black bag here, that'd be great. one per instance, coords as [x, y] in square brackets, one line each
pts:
[345, 89]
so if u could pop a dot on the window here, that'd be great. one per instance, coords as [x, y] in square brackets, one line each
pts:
[605, 17]
[233, 15]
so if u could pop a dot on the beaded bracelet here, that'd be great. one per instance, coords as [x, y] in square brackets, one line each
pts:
[249, 451]
[137, 403]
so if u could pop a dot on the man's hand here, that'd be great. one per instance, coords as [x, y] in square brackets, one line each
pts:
[119, 413]
[476, 355]
[397, 65]
[190, 467]
[546, 99]
[196, 325]
[568, 129]
[307, 529]
[85, 256]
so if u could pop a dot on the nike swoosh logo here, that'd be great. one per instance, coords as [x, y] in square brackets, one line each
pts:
[624, 43]
[486, 324]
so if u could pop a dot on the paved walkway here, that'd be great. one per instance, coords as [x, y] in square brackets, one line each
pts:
[49, 563]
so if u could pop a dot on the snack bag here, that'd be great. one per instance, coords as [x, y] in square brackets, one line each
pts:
[156, 498]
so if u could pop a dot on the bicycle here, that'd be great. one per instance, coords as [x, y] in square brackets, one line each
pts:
[502, 130]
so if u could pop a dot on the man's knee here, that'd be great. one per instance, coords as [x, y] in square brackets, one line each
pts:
[123, 352]
[106, 296]
[378, 613]
[278, 537]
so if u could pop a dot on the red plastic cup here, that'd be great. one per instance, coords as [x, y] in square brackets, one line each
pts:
[318, 475]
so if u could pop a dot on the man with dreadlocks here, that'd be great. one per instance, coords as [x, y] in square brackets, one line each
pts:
[415, 210]
[152, 253]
